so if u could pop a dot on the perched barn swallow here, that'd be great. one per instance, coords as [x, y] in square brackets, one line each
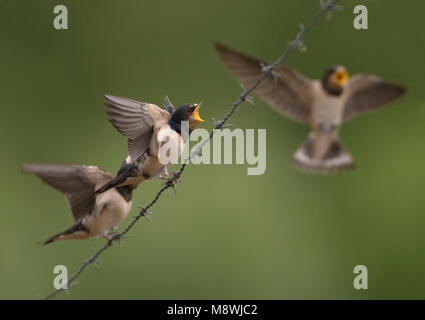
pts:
[94, 215]
[147, 127]
[323, 104]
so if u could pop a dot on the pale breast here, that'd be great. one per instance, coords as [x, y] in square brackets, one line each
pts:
[326, 109]
[111, 210]
[169, 145]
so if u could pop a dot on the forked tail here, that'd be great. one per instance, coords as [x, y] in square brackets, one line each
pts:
[335, 159]
[77, 231]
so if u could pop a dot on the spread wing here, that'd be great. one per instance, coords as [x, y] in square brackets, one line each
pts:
[135, 120]
[77, 183]
[366, 92]
[289, 93]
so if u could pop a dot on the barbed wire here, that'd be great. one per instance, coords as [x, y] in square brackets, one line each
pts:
[326, 7]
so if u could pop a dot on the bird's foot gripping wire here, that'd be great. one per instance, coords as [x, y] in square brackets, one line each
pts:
[115, 236]
[172, 180]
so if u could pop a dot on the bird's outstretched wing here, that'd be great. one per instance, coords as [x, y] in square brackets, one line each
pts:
[135, 120]
[366, 92]
[77, 183]
[288, 92]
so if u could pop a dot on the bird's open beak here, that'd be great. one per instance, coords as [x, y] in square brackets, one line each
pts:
[195, 113]
[342, 77]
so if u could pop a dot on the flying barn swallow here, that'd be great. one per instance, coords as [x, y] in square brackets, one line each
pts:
[147, 127]
[94, 215]
[323, 104]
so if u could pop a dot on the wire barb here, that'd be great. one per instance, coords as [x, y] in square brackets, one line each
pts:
[144, 213]
[269, 69]
[173, 181]
[93, 259]
[219, 124]
[245, 95]
[327, 6]
[330, 6]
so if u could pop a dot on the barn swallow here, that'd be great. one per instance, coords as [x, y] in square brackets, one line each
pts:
[147, 127]
[94, 215]
[323, 104]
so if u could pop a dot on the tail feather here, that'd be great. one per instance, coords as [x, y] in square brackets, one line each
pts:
[126, 171]
[337, 159]
[51, 239]
[77, 231]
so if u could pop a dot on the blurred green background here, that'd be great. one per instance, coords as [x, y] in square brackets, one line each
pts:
[281, 235]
